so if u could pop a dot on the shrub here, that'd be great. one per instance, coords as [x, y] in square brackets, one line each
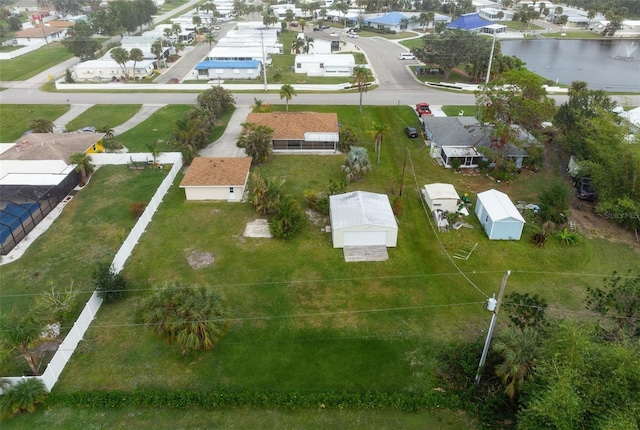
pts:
[554, 203]
[357, 164]
[539, 239]
[110, 286]
[137, 209]
[455, 163]
[22, 397]
[483, 166]
[568, 237]
[288, 219]
[319, 202]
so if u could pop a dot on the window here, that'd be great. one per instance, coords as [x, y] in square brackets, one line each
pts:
[322, 65]
[298, 65]
[231, 190]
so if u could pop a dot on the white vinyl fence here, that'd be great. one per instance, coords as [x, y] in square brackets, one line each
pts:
[68, 346]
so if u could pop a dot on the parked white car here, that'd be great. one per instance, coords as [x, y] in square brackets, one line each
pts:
[407, 56]
[352, 35]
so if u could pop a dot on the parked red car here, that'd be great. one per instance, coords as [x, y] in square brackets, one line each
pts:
[423, 109]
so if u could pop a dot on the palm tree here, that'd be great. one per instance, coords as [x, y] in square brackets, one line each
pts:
[135, 55]
[154, 149]
[157, 50]
[167, 33]
[19, 332]
[297, 45]
[197, 21]
[379, 130]
[121, 56]
[287, 92]
[361, 76]
[106, 130]
[307, 45]
[41, 125]
[82, 160]
[176, 29]
[210, 39]
[194, 318]
[519, 351]
[356, 164]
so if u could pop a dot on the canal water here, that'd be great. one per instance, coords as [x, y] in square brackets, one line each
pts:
[610, 65]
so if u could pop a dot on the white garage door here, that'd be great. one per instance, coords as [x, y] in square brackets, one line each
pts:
[365, 238]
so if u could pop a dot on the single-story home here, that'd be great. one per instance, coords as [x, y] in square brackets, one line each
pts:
[499, 216]
[108, 69]
[361, 218]
[473, 22]
[300, 131]
[36, 174]
[42, 34]
[325, 64]
[460, 137]
[233, 53]
[145, 44]
[441, 196]
[217, 178]
[393, 21]
[229, 69]
[496, 14]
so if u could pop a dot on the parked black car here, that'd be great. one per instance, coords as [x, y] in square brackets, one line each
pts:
[584, 189]
[411, 132]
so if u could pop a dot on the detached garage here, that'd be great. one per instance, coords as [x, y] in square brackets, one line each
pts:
[441, 196]
[499, 216]
[217, 178]
[361, 218]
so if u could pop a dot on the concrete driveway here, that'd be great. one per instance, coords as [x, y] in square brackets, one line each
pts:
[225, 146]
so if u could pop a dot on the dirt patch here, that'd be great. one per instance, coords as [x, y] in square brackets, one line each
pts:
[317, 218]
[199, 259]
[588, 223]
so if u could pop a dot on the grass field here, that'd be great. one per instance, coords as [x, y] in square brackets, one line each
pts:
[29, 65]
[104, 116]
[14, 119]
[302, 318]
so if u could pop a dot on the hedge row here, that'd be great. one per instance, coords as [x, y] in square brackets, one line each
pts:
[255, 399]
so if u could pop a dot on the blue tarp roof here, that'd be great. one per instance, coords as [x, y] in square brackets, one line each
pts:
[469, 21]
[392, 18]
[228, 64]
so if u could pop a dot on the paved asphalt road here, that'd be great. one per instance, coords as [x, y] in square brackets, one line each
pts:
[397, 85]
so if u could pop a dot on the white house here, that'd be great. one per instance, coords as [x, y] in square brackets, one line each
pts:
[232, 53]
[217, 178]
[109, 69]
[441, 196]
[361, 218]
[229, 69]
[325, 64]
[144, 43]
[499, 216]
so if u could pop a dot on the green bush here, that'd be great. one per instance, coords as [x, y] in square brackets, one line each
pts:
[109, 285]
[22, 397]
[554, 203]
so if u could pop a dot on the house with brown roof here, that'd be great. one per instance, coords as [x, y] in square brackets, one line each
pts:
[300, 131]
[42, 34]
[217, 178]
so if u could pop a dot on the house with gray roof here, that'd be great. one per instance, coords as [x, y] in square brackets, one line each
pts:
[466, 139]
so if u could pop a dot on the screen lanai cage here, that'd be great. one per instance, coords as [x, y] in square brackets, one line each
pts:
[23, 207]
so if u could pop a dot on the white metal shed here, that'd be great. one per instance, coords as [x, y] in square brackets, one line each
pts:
[499, 216]
[362, 218]
[441, 196]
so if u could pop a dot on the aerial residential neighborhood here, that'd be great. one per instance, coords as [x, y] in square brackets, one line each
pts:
[327, 214]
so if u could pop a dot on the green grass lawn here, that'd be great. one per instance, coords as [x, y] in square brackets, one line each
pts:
[304, 320]
[573, 35]
[14, 119]
[29, 65]
[519, 26]
[104, 116]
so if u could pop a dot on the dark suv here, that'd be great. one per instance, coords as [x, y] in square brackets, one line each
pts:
[584, 189]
